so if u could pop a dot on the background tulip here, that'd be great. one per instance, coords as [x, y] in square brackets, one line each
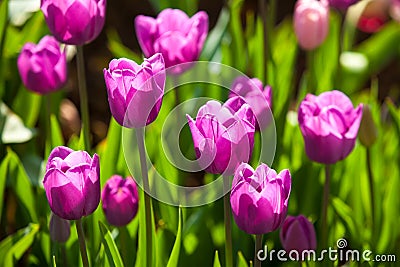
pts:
[222, 137]
[311, 23]
[258, 98]
[298, 233]
[120, 200]
[259, 199]
[59, 229]
[135, 90]
[74, 22]
[342, 4]
[329, 125]
[177, 37]
[72, 183]
[43, 67]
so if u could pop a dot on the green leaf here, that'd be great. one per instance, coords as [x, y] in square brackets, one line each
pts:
[3, 179]
[241, 260]
[173, 260]
[118, 49]
[56, 134]
[216, 260]
[27, 106]
[346, 214]
[114, 258]
[16, 245]
[238, 43]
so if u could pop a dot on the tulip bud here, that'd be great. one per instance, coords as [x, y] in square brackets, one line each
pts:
[298, 233]
[59, 229]
[43, 67]
[342, 4]
[120, 200]
[74, 22]
[311, 23]
[368, 133]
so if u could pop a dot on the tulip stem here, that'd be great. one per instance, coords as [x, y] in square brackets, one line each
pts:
[325, 206]
[48, 143]
[147, 199]
[258, 247]
[228, 227]
[82, 244]
[371, 186]
[80, 63]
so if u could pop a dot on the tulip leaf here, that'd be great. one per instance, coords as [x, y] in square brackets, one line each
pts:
[13, 247]
[216, 260]
[13, 128]
[394, 113]
[114, 258]
[118, 49]
[56, 134]
[27, 106]
[173, 260]
[238, 40]
[3, 179]
[346, 214]
[241, 260]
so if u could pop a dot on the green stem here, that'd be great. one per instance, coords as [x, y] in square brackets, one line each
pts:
[147, 199]
[325, 204]
[258, 247]
[263, 14]
[312, 82]
[48, 144]
[80, 62]
[228, 227]
[371, 186]
[82, 244]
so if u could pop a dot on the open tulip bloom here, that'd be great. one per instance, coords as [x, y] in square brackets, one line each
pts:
[222, 137]
[135, 91]
[259, 198]
[329, 125]
[72, 183]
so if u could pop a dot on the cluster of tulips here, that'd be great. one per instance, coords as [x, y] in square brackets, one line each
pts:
[222, 133]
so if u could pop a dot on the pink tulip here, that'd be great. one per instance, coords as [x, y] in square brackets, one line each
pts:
[298, 233]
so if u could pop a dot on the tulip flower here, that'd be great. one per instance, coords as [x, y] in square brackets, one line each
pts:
[74, 22]
[72, 183]
[329, 125]
[59, 229]
[259, 198]
[177, 37]
[43, 67]
[222, 137]
[368, 132]
[311, 23]
[298, 233]
[342, 4]
[258, 98]
[120, 200]
[135, 91]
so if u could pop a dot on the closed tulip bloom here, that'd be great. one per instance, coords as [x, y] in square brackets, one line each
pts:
[177, 37]
[43, 67]
[259, 199]
[342, 4]
[135, 91]
[72, 183]
[298, 233]
[74, 22]
[368, 132]
[258, 98]
[311, 23]
[222, 137]
[120, 200]
[329, 125]
[59, 229]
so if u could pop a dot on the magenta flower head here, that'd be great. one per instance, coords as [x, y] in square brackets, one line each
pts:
[342, 4]
[74, 22]
[329, 125]
[259, 199]
[72, 183]
[311, 23]
[177, 37]
[258, 98]
[120, 200]
[135, 91]
[298, 233]
[43, 67]
[222, 137]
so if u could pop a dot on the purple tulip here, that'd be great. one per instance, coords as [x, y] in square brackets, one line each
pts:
[135, 91]
[74, 22]
[311, 23]
[259, 199]
[72, 183]
[222, 137]
[342, 4]
[298, 233]
[59, 229]
[258, 98]
[120, 200]
[177, 37]
[329, 125]
[43, 67]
